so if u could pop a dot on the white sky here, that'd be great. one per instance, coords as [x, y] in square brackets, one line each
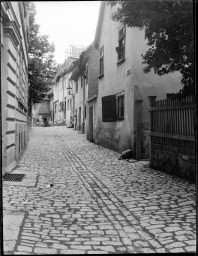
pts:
[67, 22]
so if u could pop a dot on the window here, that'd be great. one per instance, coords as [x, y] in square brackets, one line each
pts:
[109, 108]
[82, 81]
[76, 87]
[86, 74]
[70, 104]
[85, 111]
[121, 44]
[120, 107]
[63, 83]
[67, 104]
[113, 108]
[101, 61]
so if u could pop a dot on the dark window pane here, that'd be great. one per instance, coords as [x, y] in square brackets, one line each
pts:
[109, 108]
[121, 107]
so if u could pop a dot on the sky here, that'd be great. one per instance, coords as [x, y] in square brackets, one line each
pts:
[67, 23]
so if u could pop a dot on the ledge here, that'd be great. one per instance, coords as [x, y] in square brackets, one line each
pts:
[92, 98]
[121, 61]
[100, 76]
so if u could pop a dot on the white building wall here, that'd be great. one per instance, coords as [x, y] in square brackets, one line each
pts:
[128, 78]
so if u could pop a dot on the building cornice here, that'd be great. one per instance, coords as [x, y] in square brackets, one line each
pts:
[11, 29]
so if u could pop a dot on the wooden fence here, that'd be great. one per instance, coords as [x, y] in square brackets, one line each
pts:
[172, 126]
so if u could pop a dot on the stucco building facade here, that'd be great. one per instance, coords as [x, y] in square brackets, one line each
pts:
[123, 87]
[14, 81]
[63, 99]
[85, 76]
[41, 114]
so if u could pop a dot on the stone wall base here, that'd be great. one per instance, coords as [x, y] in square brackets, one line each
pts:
[172, 163]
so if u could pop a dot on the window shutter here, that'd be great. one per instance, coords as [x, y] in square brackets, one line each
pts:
[109, 108]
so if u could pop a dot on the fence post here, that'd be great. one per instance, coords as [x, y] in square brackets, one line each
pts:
[151, 100]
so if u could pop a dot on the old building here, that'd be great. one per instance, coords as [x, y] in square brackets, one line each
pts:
[14, 81]
[63, 97]
[41, 114]
[123, 88]
[85, 76]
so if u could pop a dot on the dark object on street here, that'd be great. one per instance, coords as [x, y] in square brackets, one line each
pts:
[127, 154]
[50, 185]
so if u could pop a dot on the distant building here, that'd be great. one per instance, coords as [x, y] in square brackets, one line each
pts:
[14, 81]
[41, 113]
[74, 51]
[63, 97]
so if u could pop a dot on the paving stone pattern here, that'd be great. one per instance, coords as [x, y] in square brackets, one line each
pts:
[97, 204]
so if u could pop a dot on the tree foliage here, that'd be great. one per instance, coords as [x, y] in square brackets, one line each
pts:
[169, 30]
[41, 67]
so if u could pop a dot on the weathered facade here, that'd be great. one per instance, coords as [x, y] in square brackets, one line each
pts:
[41, 114]
[63, 100]
[123, 88]
[14, 81]
[86, 90]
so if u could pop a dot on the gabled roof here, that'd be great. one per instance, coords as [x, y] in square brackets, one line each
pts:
[81, 63]
[99, 23]
[67, 67]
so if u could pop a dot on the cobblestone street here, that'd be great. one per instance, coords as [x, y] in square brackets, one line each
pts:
[97, 204]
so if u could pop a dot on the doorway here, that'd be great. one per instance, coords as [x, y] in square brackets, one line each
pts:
[138, 129]
[79, 119]
[90, 135]
[45, 121]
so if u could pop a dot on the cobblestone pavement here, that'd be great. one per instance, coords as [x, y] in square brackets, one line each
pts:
[98, 204]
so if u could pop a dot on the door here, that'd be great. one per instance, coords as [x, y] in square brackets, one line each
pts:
[65, 112]
[79, 119]
[45, 121]
[138, 127]
[90, 135]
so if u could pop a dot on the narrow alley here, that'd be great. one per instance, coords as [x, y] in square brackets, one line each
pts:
[78, 198]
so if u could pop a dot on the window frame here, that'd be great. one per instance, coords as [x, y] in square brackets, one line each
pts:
[109, 108]
[121, 43]
[82, 81]
[119, 109]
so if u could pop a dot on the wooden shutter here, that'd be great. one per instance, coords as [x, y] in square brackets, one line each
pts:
[109, 108]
